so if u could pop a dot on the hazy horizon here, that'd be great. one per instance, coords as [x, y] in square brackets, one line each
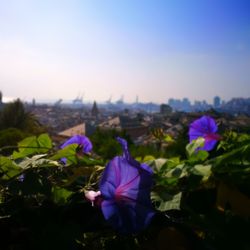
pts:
[153, 49]
[70, 101]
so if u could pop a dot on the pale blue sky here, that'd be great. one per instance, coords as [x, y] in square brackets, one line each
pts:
[156, 49]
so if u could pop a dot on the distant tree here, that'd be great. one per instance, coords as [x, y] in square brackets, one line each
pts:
[177, 148]
[10, 137]
[165, 109]
[14, 115]
[105, 144]
[145, 150]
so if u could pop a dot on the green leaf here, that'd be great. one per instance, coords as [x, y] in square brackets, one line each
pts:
[167, 201]
[33, 145]
[192, 147]
[60, 195]
[156, 164]
[240, 156]
[37, 161]
[177, 172]
[198, 156]
[88, 161]
[26, 147]
[44, 141]
[168, 138]
[8, 168]
[172, 163]
[148, 158]
[202, 170]
[69, 152]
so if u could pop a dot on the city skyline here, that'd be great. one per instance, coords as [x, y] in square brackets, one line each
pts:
[80, 101]
[155, 50]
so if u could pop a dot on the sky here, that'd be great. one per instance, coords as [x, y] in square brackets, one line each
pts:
[97, 49]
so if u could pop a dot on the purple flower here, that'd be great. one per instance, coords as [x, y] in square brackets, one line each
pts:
[125, 188]
[83, 142]
[21, 177]
[206, 128]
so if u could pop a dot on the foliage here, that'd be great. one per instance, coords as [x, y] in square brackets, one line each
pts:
[177, 147]
[10, 137]
[105, 144]
[14, 115]
[16, 124]
[202, 199]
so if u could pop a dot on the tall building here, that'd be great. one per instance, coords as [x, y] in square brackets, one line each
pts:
[94, 110]
[217, 102]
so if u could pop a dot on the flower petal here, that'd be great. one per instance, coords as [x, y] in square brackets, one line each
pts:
[87, 145]
[204, 127]
[80, 140]
[127, 217]
[125, 186]
[209, 145]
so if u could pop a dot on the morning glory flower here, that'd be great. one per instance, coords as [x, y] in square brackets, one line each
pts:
[125, 188]
[82, 140]
[206, 128]
[85, 145]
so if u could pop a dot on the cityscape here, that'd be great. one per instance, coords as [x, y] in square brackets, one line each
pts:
[64, 120]
[125, 125]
